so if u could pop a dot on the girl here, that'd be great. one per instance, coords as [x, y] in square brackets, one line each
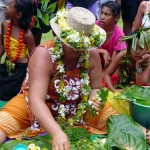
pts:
[133, 65]
[17, 42]
[110, 14]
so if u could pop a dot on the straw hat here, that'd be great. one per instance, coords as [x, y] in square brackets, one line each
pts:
[77, 29]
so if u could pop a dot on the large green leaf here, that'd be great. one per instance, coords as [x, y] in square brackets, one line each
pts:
[139, 94]
[124, 133]
[52, 7]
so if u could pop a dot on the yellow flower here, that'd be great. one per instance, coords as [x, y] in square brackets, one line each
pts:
[62, 23]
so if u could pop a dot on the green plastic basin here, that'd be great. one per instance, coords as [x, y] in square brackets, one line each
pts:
[140, 113]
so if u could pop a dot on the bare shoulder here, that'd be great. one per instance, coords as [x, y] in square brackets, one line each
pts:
[41, 52]
[4, 24]
[143, 5]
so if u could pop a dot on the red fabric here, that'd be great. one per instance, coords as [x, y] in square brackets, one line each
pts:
[115, 79]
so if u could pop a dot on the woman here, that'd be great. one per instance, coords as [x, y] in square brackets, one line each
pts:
[132, 66]
[109, 15]
[61, 75]
[142, 16]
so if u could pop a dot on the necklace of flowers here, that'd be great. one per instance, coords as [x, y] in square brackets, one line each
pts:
[57, 53]
[10, 63]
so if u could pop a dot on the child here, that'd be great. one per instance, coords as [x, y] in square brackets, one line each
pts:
[110, 14]
[133, 65]
[17, 42]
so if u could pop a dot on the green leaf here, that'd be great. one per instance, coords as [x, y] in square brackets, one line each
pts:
[43, 1]
[46, 19]
[134, 43]
[103, 94]
[52, 7]
[39, 14]
[124, 133]
[36, 24]
[44, 6]
[142, 40]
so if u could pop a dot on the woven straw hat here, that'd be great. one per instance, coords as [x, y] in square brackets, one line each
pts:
[80, 20]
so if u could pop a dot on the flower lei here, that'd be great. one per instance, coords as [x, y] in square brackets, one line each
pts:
[62, 90]
[78, 40]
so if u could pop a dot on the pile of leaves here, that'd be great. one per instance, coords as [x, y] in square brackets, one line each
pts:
[138, 94]
[79, 138]
[123, 134]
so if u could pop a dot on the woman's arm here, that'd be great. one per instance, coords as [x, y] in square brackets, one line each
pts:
[40, 70]
[143, 77]
[112, 69]
[29, 41]
[106, 56]
[95, 70]
[95, 77]
[139, 16]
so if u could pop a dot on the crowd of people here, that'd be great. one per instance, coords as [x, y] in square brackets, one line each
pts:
[45, 82]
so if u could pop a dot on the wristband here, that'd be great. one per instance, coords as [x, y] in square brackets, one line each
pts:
[139, 70]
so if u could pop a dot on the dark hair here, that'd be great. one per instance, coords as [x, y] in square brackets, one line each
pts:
[26, 8]
[114, 6]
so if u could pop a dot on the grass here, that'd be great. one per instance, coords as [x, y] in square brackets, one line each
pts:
[49, 35]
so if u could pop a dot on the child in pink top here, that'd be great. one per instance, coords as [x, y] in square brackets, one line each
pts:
[110, 14]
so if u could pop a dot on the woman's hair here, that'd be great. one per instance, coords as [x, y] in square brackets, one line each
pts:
[26, 8]
[114, 7]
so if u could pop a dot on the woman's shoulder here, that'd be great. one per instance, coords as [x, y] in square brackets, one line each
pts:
[41, 48]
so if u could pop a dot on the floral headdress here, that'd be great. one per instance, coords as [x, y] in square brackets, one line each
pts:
[76, 28]
[142, 35]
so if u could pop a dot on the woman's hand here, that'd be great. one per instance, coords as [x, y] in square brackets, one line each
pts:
[97, 105]
[60, 142]
[145, 58]
[107, 59]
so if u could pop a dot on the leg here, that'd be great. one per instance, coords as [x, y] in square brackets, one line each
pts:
[127, 26]
[2, 137]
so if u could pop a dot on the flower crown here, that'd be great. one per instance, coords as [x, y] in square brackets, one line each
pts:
[75, 39]
[142, 35]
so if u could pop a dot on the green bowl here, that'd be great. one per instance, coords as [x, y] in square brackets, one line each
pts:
[140, 113]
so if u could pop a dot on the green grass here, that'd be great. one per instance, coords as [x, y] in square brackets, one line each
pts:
[47, 36]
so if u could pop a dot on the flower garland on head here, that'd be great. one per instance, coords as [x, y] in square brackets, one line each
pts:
[57, 53]
[75, 39]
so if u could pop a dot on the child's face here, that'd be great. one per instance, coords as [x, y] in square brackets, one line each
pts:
[139, 52]
[106, 17]
[11, 9]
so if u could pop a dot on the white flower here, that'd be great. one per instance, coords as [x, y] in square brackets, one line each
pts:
[62, 110]
[61, 68]
[73, 89]
[75, 37]
[31, 146]
[62, 13]
[87, 42]
[90, 102]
